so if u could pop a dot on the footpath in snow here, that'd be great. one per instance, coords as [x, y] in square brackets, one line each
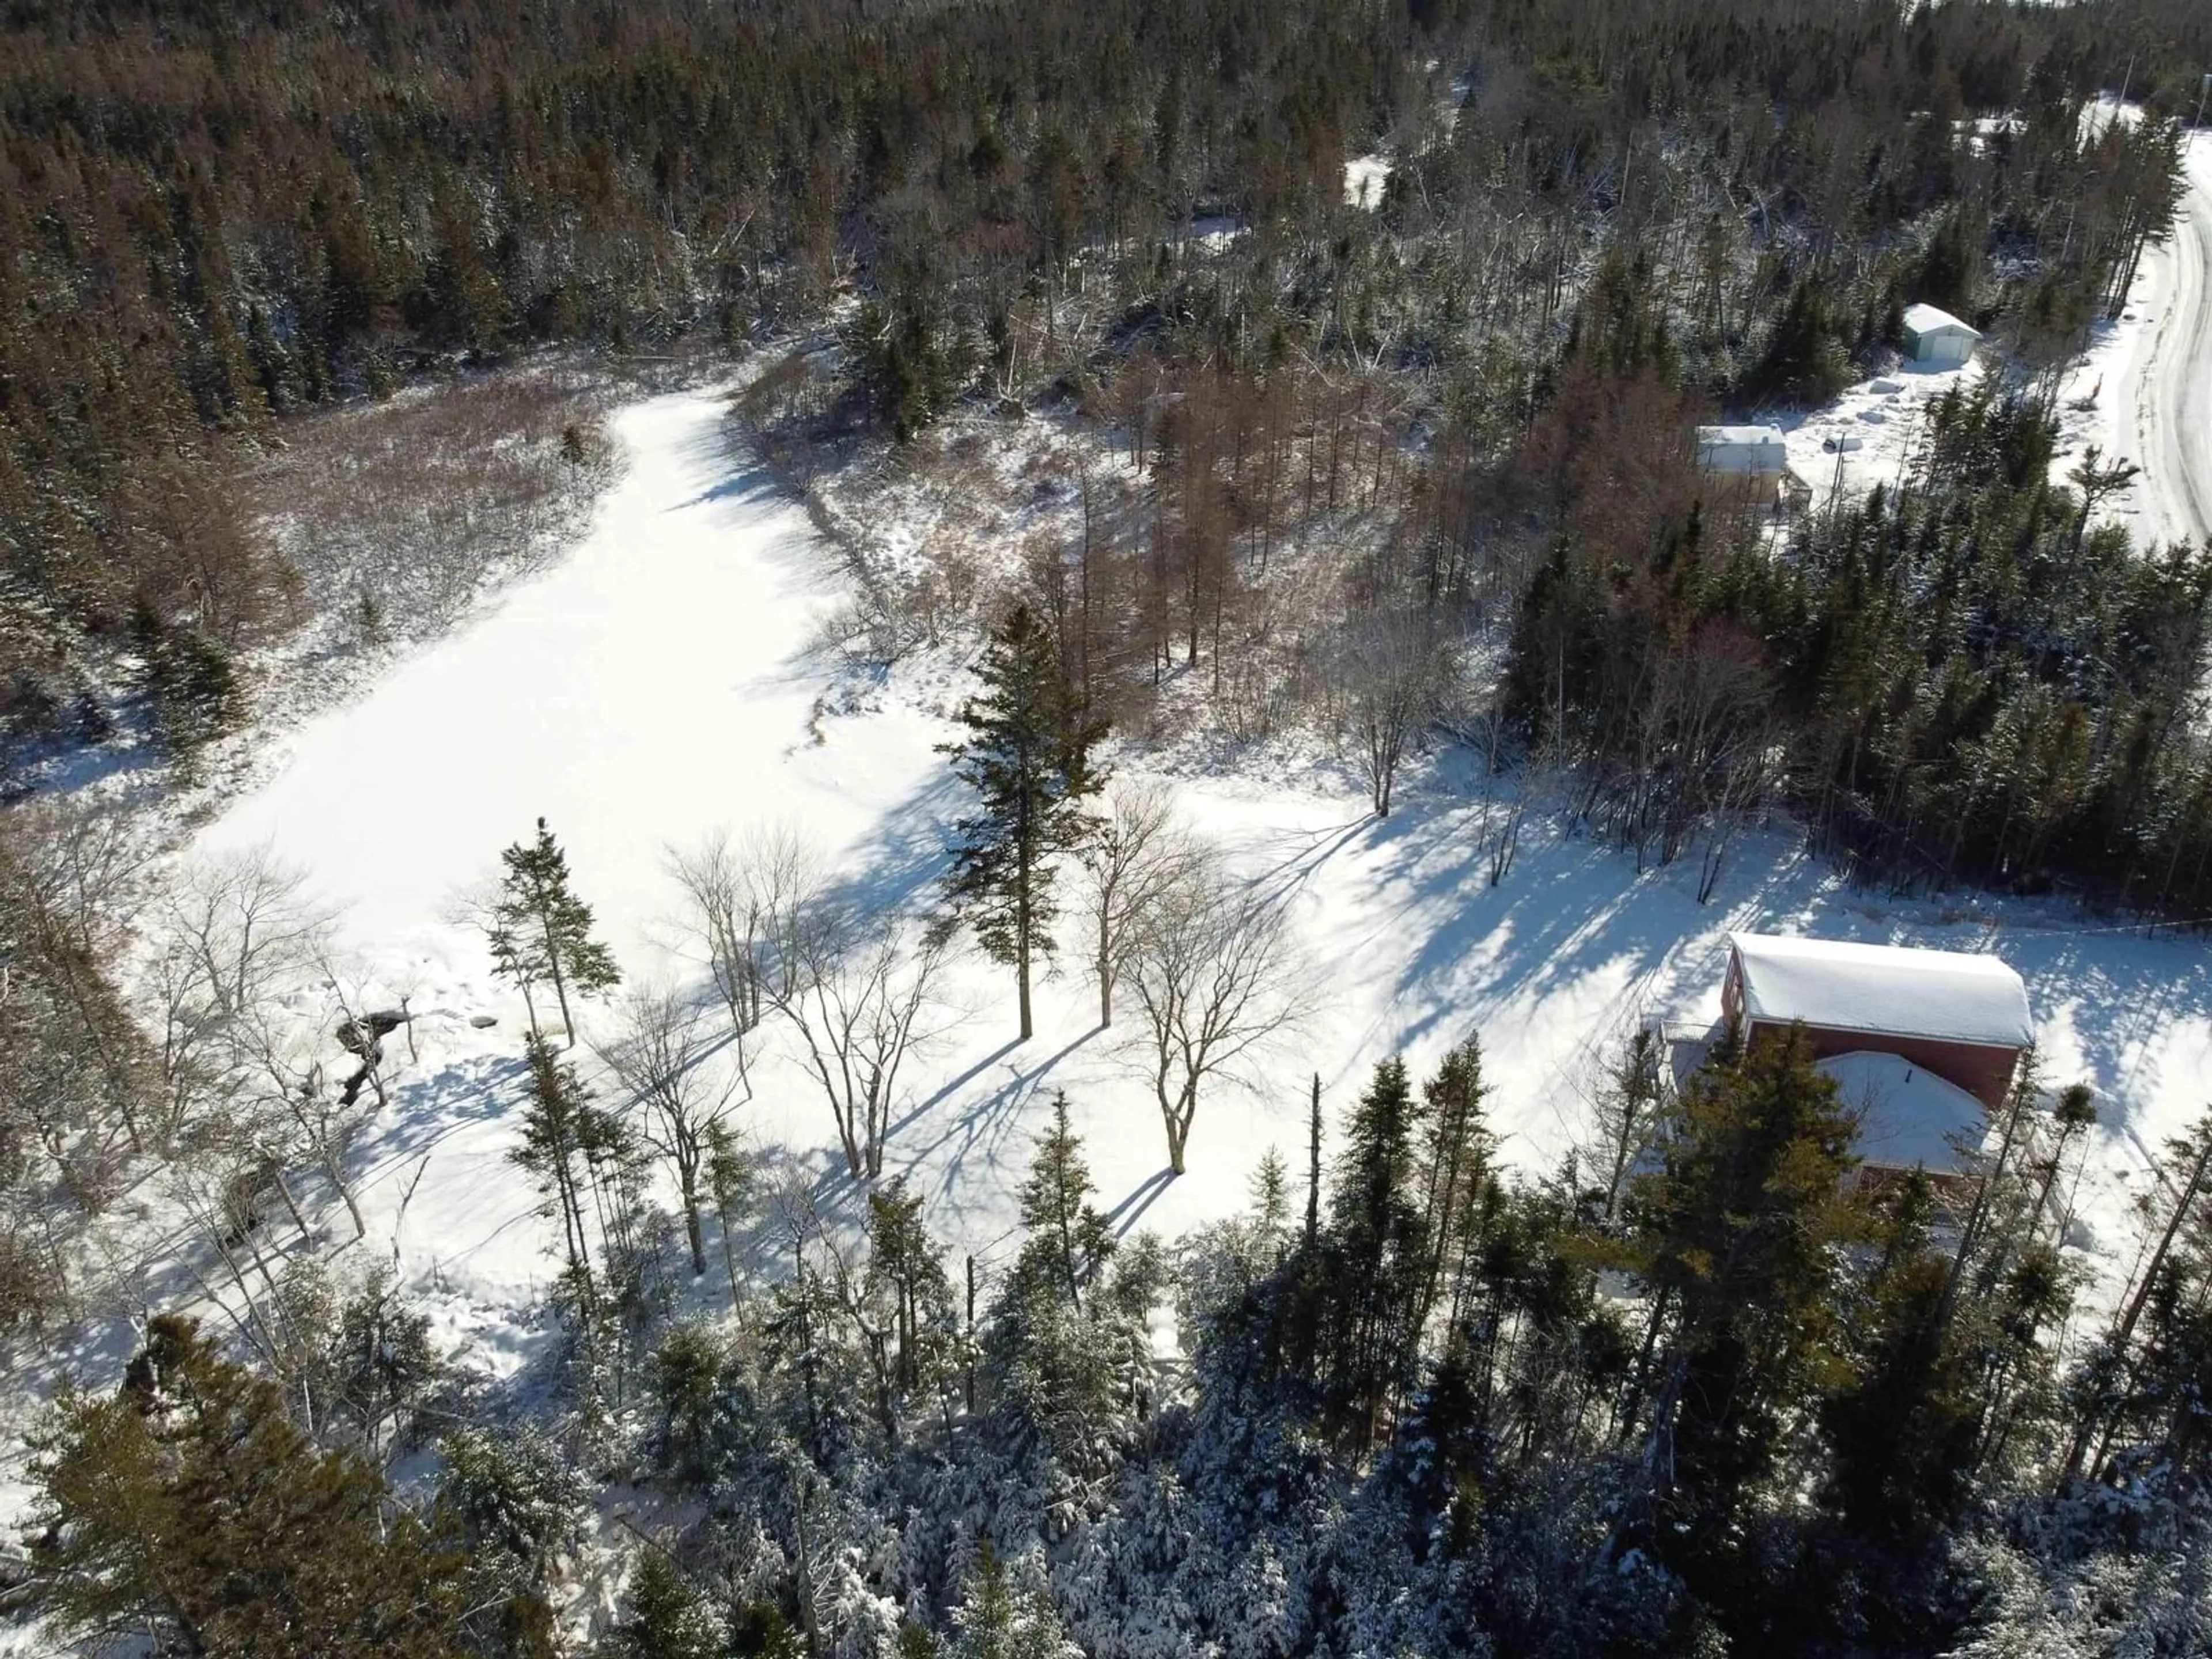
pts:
[663, 681]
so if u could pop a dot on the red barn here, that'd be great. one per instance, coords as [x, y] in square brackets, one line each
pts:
[1963, 1018]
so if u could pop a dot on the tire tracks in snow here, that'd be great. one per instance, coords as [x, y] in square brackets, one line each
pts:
[2172, 400]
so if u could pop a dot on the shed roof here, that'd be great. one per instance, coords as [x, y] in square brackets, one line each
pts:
[1947, 995]
[1928, 319]
[1907, 1115]
[1748, 436]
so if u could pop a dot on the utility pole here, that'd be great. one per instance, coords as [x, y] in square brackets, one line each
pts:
[2203, 88]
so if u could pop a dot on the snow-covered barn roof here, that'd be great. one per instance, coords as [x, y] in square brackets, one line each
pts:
[1922, 319]
[1947, 995]
[1907, 1115]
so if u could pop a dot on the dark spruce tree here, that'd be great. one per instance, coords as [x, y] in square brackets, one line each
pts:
[540, 930]
[1739, 1232]
[566, 1140]
[187, 1510]
[668, 1617]
[1028, 757]
[1375, 1259]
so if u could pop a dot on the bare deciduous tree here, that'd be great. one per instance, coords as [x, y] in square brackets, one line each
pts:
[1394, 671]
[861, 994]
[732, 892]
[81, 862]
[235, 934]
[661, 1055]
[1216, 976]
[1132, 863]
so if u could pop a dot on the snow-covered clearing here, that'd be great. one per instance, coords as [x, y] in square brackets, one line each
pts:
[1364, 178]
[1868, 434]
[662, 680]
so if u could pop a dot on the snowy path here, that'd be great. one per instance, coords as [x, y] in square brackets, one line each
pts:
[2170, 389]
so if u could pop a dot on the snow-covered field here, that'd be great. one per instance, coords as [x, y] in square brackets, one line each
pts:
[661, 682]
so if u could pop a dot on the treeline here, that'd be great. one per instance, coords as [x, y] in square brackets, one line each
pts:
[1963, 680]
[1694, 1392]
[214, 216]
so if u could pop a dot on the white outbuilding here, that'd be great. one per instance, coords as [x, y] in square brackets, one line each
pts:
[1936, 336]
[1755, 453]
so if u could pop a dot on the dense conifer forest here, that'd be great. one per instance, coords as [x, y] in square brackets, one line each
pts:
[1695, 1391]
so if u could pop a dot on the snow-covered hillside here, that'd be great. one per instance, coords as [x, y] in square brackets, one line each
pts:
[662, 681]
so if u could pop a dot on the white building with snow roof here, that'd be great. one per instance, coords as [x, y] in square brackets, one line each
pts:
[1933, 335]
[1757, 454]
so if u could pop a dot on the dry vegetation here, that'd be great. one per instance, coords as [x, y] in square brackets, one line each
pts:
[395, 515]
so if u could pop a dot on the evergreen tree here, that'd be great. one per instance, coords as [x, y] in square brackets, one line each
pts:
[1804, 360]
[731, 1178]
[1738, 1233]
[686, 1381]
[1375, 1259]
[668, 1617]
[1002, 1618]
[1027, 755]
[1066, 1240]
[188, 678]
[1067, 1339]
[1455, 1166]
[541, 930]
[565, 1142]
[515, 1503]
[1901, 1432]
[906, 1271]
[187, 1504]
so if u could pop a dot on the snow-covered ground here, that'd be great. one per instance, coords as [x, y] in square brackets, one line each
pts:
[1364, 178]
[1870, 434]
[660, 682]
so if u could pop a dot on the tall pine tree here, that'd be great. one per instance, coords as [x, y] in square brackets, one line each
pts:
[1027, 755]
